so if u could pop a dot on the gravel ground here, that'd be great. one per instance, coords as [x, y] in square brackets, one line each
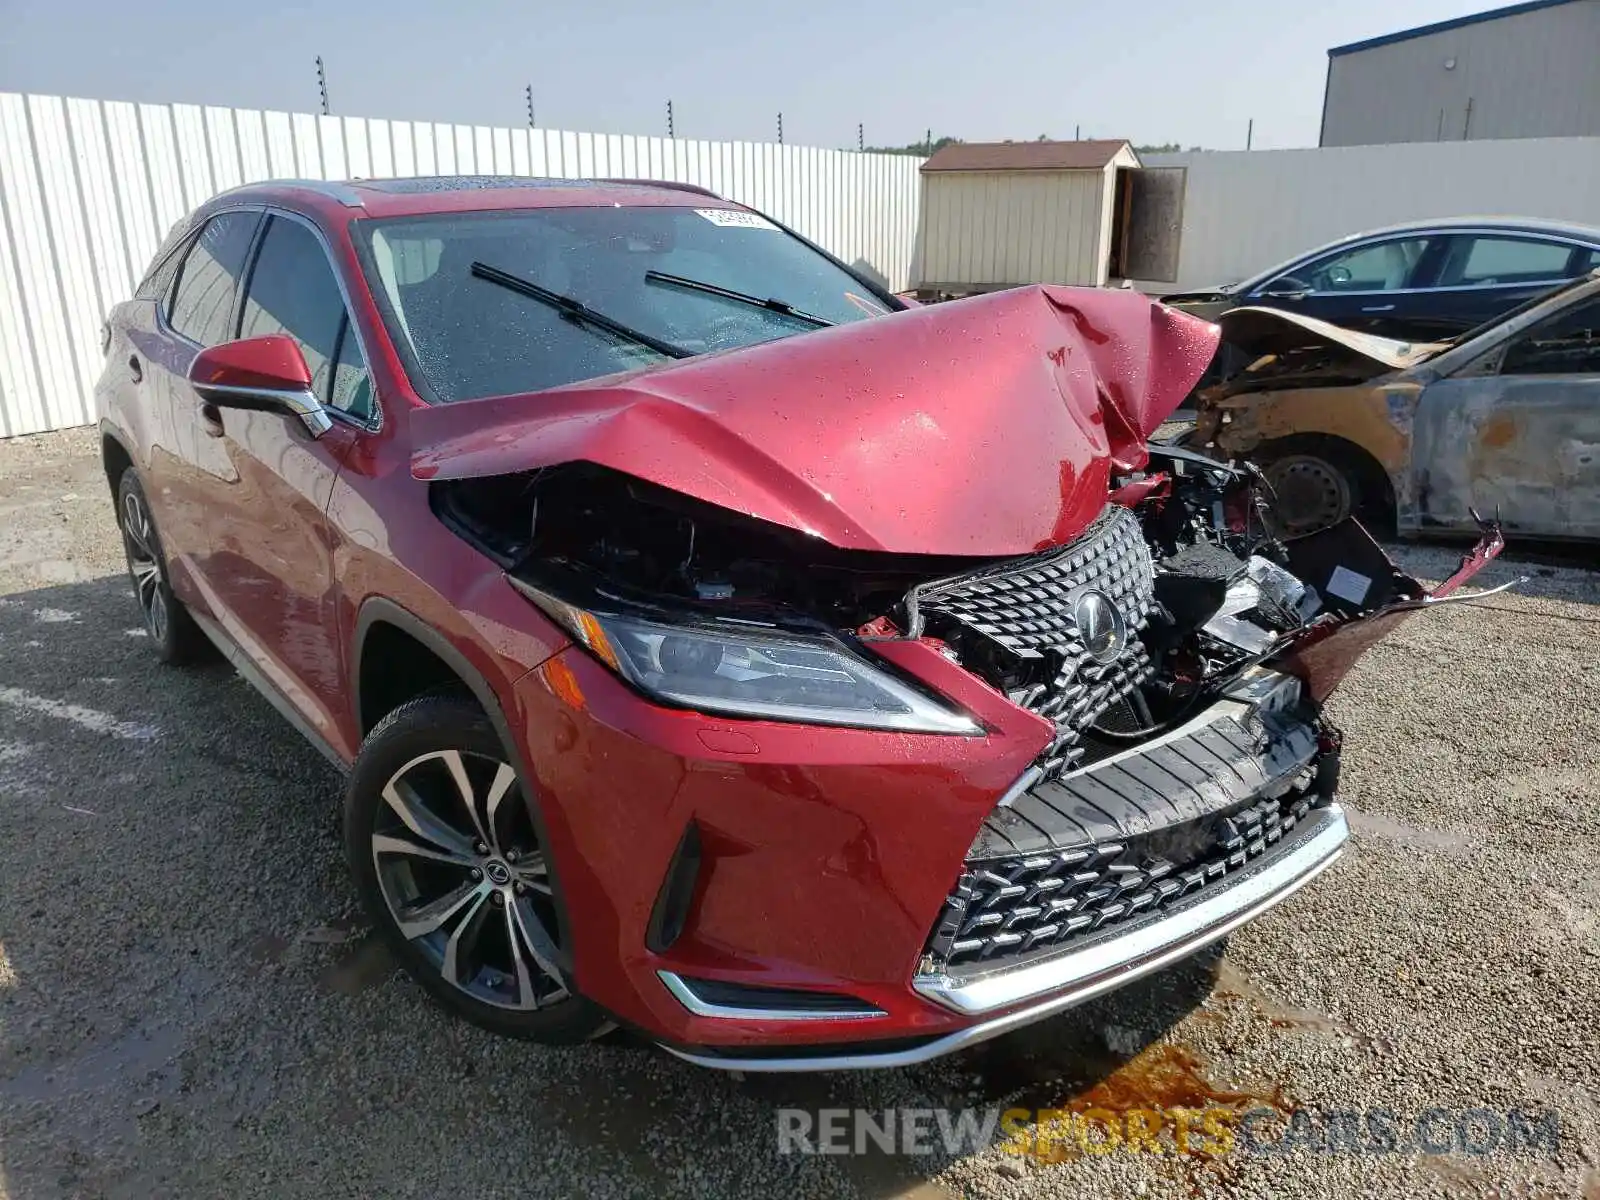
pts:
[190, 1005]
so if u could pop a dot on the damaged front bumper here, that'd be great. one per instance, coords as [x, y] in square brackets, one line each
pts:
[827, 946]
[1089, 875]
[1216, 852]
[857, 899]
[1070, 979]
[1158, 940]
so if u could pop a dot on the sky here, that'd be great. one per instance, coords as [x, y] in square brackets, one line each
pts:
[1152, 71]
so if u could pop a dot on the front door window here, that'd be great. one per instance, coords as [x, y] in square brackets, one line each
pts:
[293, 291]
[1377, 267]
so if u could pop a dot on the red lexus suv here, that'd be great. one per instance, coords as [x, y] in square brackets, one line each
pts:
[715, 644]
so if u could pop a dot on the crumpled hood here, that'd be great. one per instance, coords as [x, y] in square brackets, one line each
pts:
[1258, 331]
[987, 426]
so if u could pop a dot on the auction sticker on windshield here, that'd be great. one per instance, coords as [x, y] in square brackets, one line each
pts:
[730, 218]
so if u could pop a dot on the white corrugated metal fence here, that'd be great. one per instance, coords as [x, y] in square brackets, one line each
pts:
[89, 188]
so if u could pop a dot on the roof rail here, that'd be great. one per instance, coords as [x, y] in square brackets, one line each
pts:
[332, 188]
[667, 183]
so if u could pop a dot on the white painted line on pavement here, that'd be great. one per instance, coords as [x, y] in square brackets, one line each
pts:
[86, 718]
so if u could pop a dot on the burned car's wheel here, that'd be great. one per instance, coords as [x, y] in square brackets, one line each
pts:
[1317, 485]
[177, 639]
[1312, 492]
[441, 840]
[1318, 482]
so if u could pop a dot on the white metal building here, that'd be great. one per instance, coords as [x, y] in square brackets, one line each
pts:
[1528, 71]
[1245, 210]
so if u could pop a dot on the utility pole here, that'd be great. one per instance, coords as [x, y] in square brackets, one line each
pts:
[861, 136]
[529, 91]
[669, 120]
[929, 142]
[780, 129]
[1250, 134]
[1077, 133]
[322, 86]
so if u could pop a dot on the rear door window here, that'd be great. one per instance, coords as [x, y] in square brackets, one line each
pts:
[202, 302]
[294, 291]
[1482, 260]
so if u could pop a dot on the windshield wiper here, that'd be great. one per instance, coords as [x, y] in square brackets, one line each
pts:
[711, 289]
[576, 310]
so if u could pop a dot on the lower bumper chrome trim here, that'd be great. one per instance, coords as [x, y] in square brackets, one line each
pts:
[1070, 979]
[700, 1007]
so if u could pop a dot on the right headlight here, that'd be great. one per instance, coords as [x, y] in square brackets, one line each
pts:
[755, 673]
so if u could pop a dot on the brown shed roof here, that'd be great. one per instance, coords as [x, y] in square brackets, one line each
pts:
[1024, 156]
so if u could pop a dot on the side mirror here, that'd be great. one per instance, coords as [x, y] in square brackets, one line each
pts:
[265, 374]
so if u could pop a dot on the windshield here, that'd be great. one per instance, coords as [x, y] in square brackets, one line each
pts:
[464, 337]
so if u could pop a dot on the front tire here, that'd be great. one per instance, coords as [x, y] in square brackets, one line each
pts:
[1320, 481]
[440, 838]
[1312, 492]
[172, 630]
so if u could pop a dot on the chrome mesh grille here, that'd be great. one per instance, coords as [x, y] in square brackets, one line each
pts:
[1027, 611]
[1128, 836]
[1001, 910]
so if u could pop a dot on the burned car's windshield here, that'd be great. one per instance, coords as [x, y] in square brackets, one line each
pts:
[694, 279]
[1512, 314]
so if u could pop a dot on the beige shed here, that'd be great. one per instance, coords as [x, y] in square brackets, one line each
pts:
[1000, 214]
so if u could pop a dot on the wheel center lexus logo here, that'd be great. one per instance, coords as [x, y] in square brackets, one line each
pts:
[498, 872]
[1100, 625]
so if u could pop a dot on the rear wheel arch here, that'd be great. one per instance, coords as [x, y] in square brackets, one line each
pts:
[168, 623]
[114, 456]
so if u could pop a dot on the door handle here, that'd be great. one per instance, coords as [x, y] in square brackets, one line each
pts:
[135, 369]
[1378, 308]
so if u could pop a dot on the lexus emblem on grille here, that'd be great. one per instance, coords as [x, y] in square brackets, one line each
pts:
[1100, 625]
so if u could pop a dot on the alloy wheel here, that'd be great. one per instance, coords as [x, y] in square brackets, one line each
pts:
[144, 564]
[465, 879]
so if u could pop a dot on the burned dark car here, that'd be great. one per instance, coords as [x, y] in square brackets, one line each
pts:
[1420, 437]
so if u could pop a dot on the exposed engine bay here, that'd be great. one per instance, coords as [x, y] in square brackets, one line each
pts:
[674, 524]
[1179, 587]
